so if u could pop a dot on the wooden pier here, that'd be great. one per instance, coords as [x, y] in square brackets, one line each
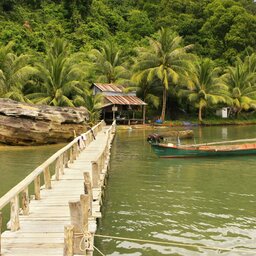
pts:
[59, 217]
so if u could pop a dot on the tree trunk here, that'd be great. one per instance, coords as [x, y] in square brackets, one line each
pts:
[200, 115]
[164, 104]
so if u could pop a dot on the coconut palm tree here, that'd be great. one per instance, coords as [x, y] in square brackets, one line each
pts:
[108, 64]
[165, 59]
[93, 104]
[203, 86]
[15, 72]
[60, 77]
[241, 80]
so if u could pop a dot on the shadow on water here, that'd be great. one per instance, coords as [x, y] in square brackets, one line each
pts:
[206, 201]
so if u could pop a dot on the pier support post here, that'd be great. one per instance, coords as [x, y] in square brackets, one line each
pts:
[88, 189]
[47, 178]
[68, 240]
[61, 163]
[71, 155]
[79, 212]
[14, 221]
[95, 174]
[57, 169]
[37, 187]
[25, 201]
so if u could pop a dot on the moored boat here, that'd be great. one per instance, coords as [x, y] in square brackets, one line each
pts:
[224, 148]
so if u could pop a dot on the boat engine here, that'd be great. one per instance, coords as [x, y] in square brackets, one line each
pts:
[155, 138]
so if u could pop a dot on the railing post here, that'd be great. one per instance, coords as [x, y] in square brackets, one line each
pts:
[25, 202]
[68, 240]
[61, 163]
[47, 178]
[75, 216]
[95, 174]
[88, 189]
[1, 222]
[66, 159]
[84, 200]
[79, 219]
[57, 169]
[14, 221]
[37, 187]
[71, 156]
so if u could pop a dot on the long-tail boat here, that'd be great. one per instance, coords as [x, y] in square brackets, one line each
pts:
[223, 148]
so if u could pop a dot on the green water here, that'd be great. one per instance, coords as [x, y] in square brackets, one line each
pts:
[17, 162]
[206, 201]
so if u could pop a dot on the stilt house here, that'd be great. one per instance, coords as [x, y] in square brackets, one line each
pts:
[125, 108]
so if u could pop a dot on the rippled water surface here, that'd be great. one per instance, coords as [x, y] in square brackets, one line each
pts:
[209, 202]
[17, 162]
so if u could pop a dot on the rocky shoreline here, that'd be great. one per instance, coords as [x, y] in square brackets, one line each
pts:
[29, 124]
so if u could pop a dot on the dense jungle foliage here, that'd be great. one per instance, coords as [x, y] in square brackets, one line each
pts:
[185, 55]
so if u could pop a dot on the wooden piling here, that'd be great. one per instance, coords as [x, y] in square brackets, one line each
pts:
[95, 174]
[71, 155]
[88, 190]
[57, 169]
[47, 178]
[25, 201]
[14, 219]
[68, 241]
[37, 187]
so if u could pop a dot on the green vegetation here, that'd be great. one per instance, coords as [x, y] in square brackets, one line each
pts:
[186, 58]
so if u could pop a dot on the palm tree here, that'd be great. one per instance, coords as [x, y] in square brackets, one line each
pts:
[93, 104]
[60, 77]
[164, 59]
[107, 63]
[204, 87]
[241, 80]
[15, 72]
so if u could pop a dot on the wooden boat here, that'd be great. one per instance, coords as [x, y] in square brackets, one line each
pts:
[224, 148]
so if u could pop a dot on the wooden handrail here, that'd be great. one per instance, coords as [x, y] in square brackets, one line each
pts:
[5, 199]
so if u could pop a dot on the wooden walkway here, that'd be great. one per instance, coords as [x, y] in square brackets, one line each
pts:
[38, 230]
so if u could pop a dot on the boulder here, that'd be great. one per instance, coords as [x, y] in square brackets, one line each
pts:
[28, 124]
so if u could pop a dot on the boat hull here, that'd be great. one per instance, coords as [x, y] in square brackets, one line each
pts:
[165, 151]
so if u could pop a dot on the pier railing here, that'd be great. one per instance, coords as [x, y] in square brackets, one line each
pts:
[61, 159]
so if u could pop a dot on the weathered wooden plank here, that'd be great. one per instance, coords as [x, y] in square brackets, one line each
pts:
[33, 251]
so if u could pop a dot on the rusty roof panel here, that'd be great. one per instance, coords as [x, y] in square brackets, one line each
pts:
[125, 100]
[109, 87]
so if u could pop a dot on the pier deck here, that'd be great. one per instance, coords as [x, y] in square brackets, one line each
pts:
[41, 232]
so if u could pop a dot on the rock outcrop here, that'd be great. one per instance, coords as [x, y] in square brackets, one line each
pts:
[28, 124]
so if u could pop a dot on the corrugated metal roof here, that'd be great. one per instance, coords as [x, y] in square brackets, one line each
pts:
[125, 100]
[109, 87]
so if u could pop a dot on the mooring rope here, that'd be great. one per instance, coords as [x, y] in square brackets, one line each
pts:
[85, 242]
[176, 244]
[100, 252]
